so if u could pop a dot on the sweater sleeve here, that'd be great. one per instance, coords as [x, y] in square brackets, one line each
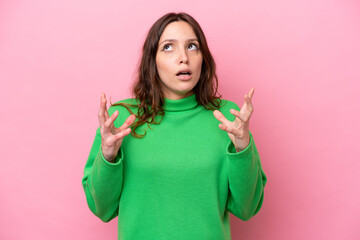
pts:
[102, 181]
[246, 181]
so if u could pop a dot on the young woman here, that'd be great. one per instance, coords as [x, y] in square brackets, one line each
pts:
[189, 158]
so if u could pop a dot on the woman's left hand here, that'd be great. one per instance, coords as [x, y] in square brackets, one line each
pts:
[238, 130]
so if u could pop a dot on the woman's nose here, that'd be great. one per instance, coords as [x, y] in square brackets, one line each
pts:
[183, 57]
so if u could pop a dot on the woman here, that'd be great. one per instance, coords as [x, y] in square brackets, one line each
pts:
[182, 176]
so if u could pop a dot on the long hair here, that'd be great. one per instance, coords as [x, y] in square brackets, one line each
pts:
[147, 89]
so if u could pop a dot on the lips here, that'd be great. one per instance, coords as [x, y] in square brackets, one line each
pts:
[184, 77]
[186, 71]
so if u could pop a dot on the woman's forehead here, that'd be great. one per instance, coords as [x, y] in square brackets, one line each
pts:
[178, 31]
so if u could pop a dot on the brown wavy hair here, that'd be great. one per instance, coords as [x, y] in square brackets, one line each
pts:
[146, 89]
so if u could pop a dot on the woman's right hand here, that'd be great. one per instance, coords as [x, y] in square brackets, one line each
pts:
[112, 137]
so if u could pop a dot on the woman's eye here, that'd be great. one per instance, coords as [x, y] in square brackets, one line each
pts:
[168, 47]
[165, 47]
[194, 45]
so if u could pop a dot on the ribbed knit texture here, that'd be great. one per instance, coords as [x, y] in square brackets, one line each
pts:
[180, 181]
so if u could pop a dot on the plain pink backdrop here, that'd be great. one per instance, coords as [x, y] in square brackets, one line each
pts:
[302, 57]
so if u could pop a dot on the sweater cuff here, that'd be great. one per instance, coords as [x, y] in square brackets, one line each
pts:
[117, 161]
[247, 152]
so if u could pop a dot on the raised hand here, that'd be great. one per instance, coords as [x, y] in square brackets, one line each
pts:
[238, 130]
[112, 137]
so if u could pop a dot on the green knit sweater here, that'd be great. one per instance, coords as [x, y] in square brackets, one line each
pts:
[180, 181]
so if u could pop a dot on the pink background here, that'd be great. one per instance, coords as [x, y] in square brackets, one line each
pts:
[302, 57]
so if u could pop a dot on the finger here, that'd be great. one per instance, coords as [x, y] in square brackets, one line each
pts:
[251, 93]
[102, 110]
[124, 130]
[122, 134]
[219, 116]
[240, 115]
[130, 120]
[244, 105]
[249, 106]
[106, 111]
[108, 123]
[227, 129]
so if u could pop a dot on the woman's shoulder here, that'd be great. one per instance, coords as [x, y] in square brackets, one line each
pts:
[125, 104]
[125, 108]
[129, 102]
[227, 104]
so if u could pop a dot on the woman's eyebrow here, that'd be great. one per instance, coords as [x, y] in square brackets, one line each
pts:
[174, 40]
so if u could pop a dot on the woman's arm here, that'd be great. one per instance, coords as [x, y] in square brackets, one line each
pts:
[103, 176]
[246, 177]
[102, 181]
[246, 181]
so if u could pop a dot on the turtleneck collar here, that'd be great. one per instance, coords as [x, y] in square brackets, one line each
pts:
[171, 105]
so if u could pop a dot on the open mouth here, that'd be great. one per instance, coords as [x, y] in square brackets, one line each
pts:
[183, 73]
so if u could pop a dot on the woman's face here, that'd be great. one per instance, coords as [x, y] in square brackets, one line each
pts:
[178, 50]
